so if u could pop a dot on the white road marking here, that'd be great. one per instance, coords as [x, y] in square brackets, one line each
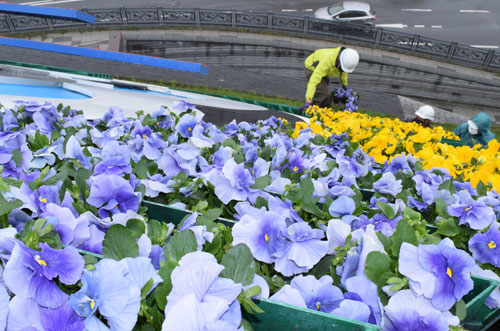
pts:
[46, 2]
[416, 9]
[484, 46]
[419, 26]
[307, 9]
[396, 26]
[474, 11]
[289, 10]
[437, 26]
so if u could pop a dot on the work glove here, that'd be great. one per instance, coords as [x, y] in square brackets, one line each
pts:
[305, 107]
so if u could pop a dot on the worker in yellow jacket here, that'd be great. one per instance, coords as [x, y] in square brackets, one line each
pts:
[320, 65]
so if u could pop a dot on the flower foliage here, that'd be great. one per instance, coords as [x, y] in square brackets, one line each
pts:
[165, 221]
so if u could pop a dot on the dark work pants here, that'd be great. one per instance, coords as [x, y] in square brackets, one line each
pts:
[322, 97]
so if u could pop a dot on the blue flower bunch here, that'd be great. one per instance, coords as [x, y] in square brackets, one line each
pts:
[344, 99]
[307, 220]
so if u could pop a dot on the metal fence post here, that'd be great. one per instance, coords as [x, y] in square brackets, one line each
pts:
[270, 20]
[488, 58]
[49, 24]
[197, 16]
[123, 14]
[160, 15]
[233, 18]
[451, 52]
[378, 36]
[86, 11]
[415, 42]
[12, 28]
[306, 24]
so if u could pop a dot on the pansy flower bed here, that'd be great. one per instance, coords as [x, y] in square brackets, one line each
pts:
[384, 138]
[273, 215]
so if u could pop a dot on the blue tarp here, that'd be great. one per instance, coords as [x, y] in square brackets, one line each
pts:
[55, 13]
[107, 55]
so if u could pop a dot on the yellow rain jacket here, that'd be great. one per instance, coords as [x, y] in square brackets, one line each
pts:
[322, 63]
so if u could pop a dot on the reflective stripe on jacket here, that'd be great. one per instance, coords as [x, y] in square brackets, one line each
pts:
[322, 63]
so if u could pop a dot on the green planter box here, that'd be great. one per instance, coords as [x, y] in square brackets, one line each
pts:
[453, 142]
[480, 317]
[168, 214]
[281, 316]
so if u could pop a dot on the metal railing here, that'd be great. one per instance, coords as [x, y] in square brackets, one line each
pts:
[301, 26]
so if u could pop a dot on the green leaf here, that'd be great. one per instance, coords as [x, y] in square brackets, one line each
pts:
[262, 182]
[180, 244]
[447, 185]
[441, 208]
[230, 143]
[448, 227]
[119, 243]
[157, 232]
[461, 310]
[386, 209]
[322, 268]
[253, 291]
[164, 288]
[7, 206]
[136, 226]
[247, 326]
[146, 288]
[386, 241]
[17, 156]
[212, 214]
[261, 202]
[404, 233]
[239, 264]
[306, 190]
[412, 215]
[141, 168]
[481, 188]
[377, 264]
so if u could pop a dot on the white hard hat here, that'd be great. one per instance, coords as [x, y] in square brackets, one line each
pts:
[473, 129]
[349, 60]
[426, 112]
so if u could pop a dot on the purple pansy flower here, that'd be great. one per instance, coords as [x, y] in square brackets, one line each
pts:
[342, 206]
[232, 183]
[439, 272]
[485, 247]
[263, 234]
[366, 291]
[30, 273]
[114, 166]
[406, 311]
[182, 106]
[303, 250]
[353, 309]
[200, 231]
[186, 125]
[109, 291]
[195, 286]
[112, 194]
[25, 314]
[399, 163]
[4, 303]
[320, 295]
[475, 213]
[72, 231]
[388, 184]
[74, 151]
